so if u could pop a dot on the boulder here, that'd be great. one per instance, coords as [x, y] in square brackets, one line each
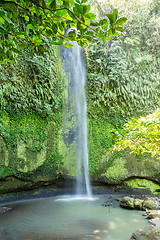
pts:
[150, 204]
[152, 214]
[150, 232]
[127, 202]
[139, 204]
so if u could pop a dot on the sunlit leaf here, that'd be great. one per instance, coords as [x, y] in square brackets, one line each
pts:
[120, 21]
[120, 29]
[26, 18]
[68, 45]
[91, 16]
[115, 13]
[30, 26]
[2, 20]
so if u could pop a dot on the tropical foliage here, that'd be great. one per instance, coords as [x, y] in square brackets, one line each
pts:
[123, 73]
[141, 135]
[51, 18]
[33, 83]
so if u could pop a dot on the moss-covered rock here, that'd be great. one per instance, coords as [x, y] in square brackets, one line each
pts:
[127, 202]
[28, 151]
[150, 232]
[13, 184]
[117, 167]
[138, 204]
[150, 204]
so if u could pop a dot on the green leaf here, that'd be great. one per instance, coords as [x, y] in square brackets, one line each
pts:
[68, 45]
[103, 22]
[115, 13]
[26, 18]
[89, 38]
[94, 24]
[84, 9]
[38, 41]
[57, 43]
[54, 28]
[22, 46]
[31, 47]
[53, 5]
[35, 37]
[65, 4]
[90, 33]
[2, 20]
[120, 21]
[2, 62]
[120, 29]
[10, 61]
[71, 15]
[83, 1]
[106, 38]
[15, 50]
[99, 35]
[22, 36]
[111, 18]
[2, 12]
[90, 16]
[72, 34]
[30, 26]
[3, 31]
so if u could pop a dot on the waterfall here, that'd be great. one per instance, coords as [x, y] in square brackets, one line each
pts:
[76, 115]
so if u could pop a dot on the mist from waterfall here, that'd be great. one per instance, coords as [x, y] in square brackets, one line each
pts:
[76, 115]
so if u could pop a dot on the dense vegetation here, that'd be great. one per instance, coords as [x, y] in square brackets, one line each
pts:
[141, 135]
[123, 82]
[50, 18]
[124, 72]
[33, 83]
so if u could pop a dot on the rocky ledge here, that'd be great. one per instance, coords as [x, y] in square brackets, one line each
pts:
[140, 204]
[151, 206]
[150, 232]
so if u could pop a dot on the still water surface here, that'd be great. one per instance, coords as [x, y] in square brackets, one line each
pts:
[58, 218]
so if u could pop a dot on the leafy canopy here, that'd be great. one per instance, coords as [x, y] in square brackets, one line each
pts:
[141, 135]
[50, 18]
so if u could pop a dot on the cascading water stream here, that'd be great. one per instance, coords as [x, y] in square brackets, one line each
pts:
[77, 114]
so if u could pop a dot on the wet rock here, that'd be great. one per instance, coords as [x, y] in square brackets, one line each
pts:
[127, 202]
[4, 209]
[152, 214]
[150, 204]
[138, 204]
[150, 232]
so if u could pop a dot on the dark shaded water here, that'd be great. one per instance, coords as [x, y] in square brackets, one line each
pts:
[55, 218]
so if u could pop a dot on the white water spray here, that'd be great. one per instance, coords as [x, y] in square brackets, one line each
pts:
[77, 112]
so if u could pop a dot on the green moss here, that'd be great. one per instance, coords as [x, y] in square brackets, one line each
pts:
[117, 171]
[6, 171]
[68, 155]
[14, 185]
[143, 183]
[30, 141]
[100, 140]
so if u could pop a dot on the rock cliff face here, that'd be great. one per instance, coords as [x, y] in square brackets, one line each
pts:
[32, 153]
[128, 166]
[28, 153]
